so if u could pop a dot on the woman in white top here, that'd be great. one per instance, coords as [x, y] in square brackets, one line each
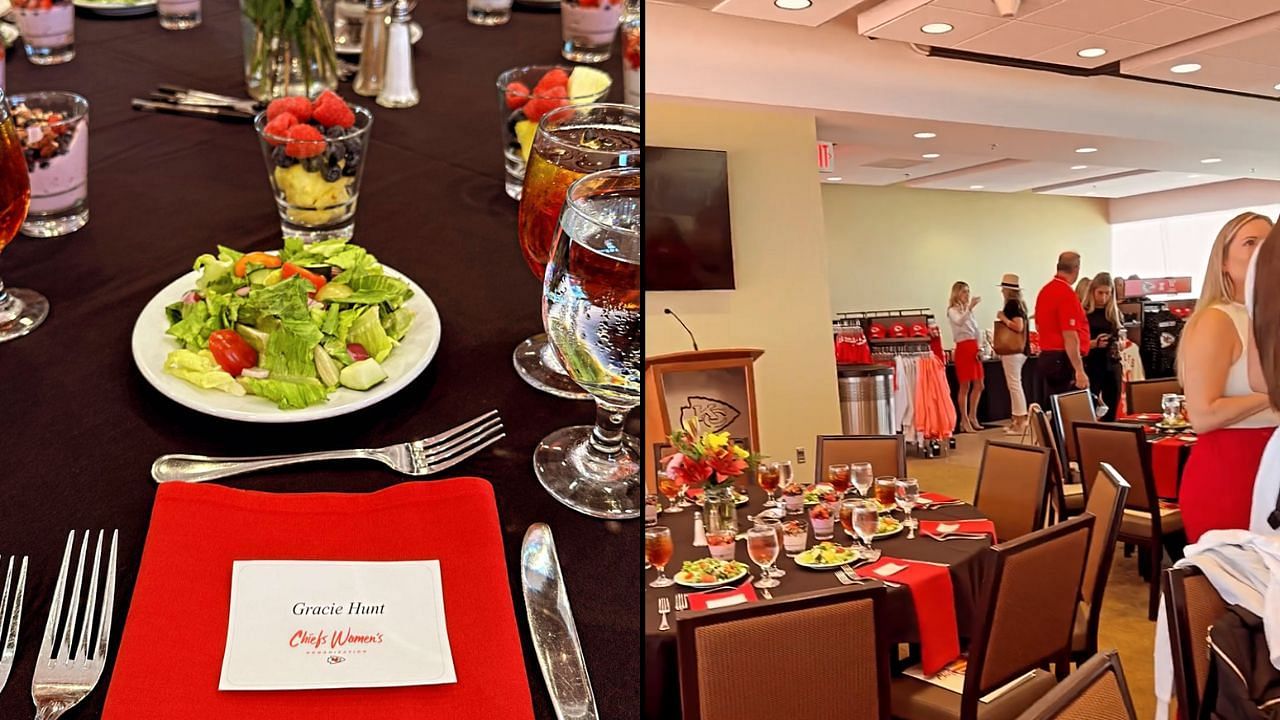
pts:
[969, 373]
[1232, 421]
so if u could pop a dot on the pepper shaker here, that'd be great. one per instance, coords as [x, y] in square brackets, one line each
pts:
[373, 49]
[399, 89]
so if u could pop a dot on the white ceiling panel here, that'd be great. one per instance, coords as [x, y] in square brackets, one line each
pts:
[1260, 49]
[1092, 16]
[1019, 39]
[1235, 9]
[987, 7]
[1168, 26]
[1012, 177]
[863, 164]
[906, 27]
[1136, 185]
[1116, 50]
[813, 16]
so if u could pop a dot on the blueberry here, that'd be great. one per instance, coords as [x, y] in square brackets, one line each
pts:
[44, 164]
[314, 163]
[332, 173]
[514, 118]
[350, 170]
[353, 158]
[335, 132]
[353, 145]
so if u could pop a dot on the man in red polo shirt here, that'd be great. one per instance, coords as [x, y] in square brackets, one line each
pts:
[1064, 329]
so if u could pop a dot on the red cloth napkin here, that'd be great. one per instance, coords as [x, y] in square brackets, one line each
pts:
[933, 497]
[1165, 457]
[170, 654]
[979, 525]
[698, 601]
[935, 604]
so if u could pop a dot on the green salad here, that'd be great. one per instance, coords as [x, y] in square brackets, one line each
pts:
[709, 570]
[827, 553]
[291, 326]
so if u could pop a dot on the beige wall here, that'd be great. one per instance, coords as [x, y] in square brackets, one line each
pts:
[892, 247]
[781, 304]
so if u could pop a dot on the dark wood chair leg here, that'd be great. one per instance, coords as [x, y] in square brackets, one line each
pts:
[1128, 550]
[1156, 551]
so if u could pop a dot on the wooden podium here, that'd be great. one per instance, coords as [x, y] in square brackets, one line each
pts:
[716, 386]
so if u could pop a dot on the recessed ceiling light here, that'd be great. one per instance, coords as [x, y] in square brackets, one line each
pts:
[936, 28]
[975, 187]
[1079, 167]
[1210, 161]
[1086, 149]
[793, 4]
[1277, 86]
[1092, 52]
[1185, 68]
[837, 178]
[925, 135]
[931, 156]
[1193, 176]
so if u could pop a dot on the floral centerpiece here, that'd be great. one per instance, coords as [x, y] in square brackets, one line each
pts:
[288, 49]
[710, 460]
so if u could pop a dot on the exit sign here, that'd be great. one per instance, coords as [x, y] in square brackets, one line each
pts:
[826, 157]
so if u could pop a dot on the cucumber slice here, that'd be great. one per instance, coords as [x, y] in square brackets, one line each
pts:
[256, 338]
[259, 276]
[334, 291]
[327, 368]
[362, 375]
[272, 277]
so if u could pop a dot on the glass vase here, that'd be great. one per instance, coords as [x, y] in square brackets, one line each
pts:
[719, 511]
[288, 49]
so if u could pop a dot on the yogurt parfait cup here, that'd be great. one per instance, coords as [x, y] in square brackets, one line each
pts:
[793, 499]
[631, 60]
[823, 521]
[588, 27]
[795, 536]
[48, 30]
[721, 544]
[54, 129]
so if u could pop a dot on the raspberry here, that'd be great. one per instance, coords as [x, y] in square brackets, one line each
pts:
[550, 99]
[324, 96]
[296, 105]
[279, 128]
[517, 95]
[333, 113]
[304, 141]
[554, 77]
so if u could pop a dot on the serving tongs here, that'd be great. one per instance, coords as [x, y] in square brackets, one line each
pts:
[176, 100]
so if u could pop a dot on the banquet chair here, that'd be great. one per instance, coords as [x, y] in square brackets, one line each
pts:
[1146, 522]
[1033, 583]
[1191, 605]
[1069, 409]
[1106, 504]
[1096, 691]
[1011, 488]
[886, 453]
[1065, 499]
[1144, 396]
[719, 648]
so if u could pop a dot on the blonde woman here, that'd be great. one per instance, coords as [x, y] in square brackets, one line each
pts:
[1082, 289]
[964, 330]
[1102, 364]
[1232, 421]
[1014, 317]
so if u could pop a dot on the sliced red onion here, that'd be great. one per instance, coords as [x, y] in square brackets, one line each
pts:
[357, 352]
[313, 303]
[243, 291]
[191, 297]
[256, 372]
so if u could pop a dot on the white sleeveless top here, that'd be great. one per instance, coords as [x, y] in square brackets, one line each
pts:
[1238, 376]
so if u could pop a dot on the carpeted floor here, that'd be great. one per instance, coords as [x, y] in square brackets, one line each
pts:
[1124, 610]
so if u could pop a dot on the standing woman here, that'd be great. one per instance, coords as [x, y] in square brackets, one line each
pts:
[964, 330]
[1232, 421]
[1014, 317]
[1082, 289]
[1102, 364]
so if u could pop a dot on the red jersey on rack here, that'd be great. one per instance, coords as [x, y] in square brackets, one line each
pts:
[852, 349]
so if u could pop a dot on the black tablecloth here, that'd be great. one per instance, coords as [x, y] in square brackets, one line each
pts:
[995, 404]
[81, 426]
[965, 558]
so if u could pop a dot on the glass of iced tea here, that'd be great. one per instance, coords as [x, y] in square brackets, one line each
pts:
[839, 477]
[570, 143]
[657, 551]
[21, 311]
[670, 489]
[768, 477]
[886, 491]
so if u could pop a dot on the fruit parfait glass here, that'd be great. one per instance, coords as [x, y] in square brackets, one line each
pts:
[54, 129]
[48, 30]
[588, 27]
[721, 544]
[823, 521]
[315, 152]
[795, 536]
[793, 498]
[631, 60]
[527, 93]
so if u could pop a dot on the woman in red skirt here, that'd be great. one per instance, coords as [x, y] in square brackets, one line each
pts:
[1233, 422]
[964, 330]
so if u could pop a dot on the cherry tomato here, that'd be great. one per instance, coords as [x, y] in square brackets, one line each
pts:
[289, 270]
[231, 351]
[261, 258]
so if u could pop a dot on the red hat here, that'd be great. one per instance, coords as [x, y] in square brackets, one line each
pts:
[918, 330]
[898, 330]
[877, 331]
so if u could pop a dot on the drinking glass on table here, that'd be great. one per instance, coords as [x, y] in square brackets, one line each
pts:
[886, 490]
[591, 310]
[524, 97]
[571, 142]
[588, 27]
[54, 128]
[769, 477]
[866, 520]
[652, 506]
[908, 492]
[670, 488]
[762, 546]
[795, 536]
[488, 12]
[839, 477]
[863, 478]
[179, 14]
[777, 526]
[785, 472]
[721, 544]
[657, 551]
[21, 311]
[48, 30]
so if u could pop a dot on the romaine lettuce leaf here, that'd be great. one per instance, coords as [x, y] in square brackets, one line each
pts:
[367, 331]
[375, 290]
[397, 323]
[287, 393]
[201, 370]
[195, 326]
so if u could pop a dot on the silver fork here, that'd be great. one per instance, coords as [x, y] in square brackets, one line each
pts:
[418, 457]
[863, 578]
[664, 607]
[11, 637]
[62, 679]
[682, 602]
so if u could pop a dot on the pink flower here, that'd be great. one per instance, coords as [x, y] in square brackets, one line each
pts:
[726, 463]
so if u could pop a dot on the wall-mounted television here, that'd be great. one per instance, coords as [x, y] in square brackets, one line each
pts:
[687, 240]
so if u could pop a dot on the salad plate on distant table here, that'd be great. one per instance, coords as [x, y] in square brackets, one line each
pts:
[709, 573]
[117, 8]
[305, 333]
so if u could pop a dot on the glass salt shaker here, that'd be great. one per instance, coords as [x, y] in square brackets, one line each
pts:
[399, 89]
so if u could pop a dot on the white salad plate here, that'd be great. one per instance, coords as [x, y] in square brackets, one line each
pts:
[117, 9]
[407, 361]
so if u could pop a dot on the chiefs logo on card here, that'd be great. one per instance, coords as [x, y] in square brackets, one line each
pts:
[712, 415]
[336, 659]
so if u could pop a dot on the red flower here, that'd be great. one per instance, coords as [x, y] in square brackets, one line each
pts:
[687, 471]
[726, 463]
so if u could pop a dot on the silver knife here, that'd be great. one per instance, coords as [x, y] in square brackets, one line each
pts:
[555, 639]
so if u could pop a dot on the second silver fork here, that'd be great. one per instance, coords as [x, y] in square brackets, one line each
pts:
[10, 647]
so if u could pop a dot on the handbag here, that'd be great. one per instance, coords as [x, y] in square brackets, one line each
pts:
[1008, 341]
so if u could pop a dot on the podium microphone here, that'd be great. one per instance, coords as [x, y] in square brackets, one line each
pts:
[692, 339]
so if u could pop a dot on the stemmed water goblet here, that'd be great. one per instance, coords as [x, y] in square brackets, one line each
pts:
[21, 310]
[762, 546]
[863, 477]
[907, 493]
[657, 552]
[769, 477]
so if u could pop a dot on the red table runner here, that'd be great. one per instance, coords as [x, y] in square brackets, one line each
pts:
[170, 654]
[1166, 456]
[935, 606]
[698, 601]
[979, 525]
